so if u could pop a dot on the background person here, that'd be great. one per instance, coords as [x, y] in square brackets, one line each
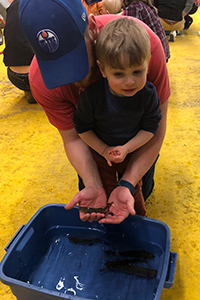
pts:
[145, 11]
[4, 4]
[112, 6]
[188, 19]
[57, 77]
[18, 54]
[93, 7]
[172, 13]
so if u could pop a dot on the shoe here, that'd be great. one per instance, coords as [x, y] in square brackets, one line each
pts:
[29, 98]
[172, 36]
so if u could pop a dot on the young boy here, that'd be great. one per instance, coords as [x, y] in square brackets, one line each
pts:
[120, 113]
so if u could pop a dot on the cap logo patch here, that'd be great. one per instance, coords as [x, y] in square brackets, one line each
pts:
[48, 40]
[83, 16]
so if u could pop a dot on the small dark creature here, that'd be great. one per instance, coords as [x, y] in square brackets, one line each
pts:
[137, 253]
[89, 241]
[141, 254]
[126, 266]
[89, 210]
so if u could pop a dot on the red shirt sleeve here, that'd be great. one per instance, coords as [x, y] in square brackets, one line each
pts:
[59, 104]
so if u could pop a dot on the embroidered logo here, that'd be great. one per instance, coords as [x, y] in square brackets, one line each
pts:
[83, 16]
[48, 40]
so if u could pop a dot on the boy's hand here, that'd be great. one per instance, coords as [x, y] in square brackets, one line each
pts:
[89, 197]
[117, 154]
[123, 204]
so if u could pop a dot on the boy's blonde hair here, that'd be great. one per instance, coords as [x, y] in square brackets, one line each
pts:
[112, 6]
[122, 43]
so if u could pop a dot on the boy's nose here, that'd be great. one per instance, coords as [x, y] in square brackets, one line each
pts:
[129, 80]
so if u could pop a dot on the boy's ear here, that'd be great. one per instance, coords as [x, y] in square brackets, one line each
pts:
[93, 29]
[101, 69]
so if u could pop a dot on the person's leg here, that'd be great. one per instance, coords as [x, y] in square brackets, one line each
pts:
[188, 19]
[21, 81]
[148, 181]
[188, 22]
[139, 200]
[176, 29]
[172, 28]
[81, 185]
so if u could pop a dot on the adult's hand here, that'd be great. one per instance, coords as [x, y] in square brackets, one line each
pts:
[89, 197]
[122, 204]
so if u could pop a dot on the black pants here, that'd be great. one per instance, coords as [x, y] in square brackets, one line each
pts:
[187, 18]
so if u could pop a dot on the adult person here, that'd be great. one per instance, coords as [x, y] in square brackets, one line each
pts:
[172, 13]
[64, 42]
[18, 54]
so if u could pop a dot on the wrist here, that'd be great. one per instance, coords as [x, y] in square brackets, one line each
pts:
[127, 184]
[104, 151]
[94, 182]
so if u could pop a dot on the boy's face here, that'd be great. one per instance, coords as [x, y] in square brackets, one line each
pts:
[126, 82]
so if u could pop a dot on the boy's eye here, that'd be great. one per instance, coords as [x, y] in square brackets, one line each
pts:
[118, 74]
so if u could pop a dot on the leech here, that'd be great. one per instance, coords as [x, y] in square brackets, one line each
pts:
[89, 210]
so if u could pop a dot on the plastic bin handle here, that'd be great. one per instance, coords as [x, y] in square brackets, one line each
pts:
[13, 238]
[171, 270]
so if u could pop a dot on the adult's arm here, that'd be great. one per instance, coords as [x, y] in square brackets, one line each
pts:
[79, 155]
[140, 162]
[59, 105]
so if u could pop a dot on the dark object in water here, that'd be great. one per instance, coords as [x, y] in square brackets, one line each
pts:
[89, 210]
[133, 253]
[77, 240]
[126, 266]
[137, 253]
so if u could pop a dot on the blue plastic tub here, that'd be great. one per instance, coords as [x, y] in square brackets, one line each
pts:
[57, 256]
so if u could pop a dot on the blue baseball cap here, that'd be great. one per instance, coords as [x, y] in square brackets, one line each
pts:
[55, 29]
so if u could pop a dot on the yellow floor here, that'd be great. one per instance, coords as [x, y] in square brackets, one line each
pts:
[35, 170]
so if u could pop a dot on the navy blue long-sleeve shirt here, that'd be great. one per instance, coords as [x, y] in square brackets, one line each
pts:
[116, 120]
